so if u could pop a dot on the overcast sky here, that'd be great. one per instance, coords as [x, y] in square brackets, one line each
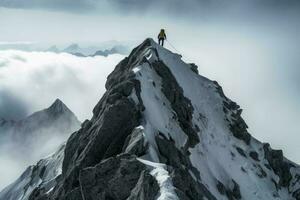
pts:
[250, 47]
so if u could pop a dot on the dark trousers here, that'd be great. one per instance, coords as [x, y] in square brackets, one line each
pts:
[161, 41]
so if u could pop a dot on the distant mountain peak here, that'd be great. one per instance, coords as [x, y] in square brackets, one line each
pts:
[57, 108]
[58, 105]
[56, 111]
[72, 48]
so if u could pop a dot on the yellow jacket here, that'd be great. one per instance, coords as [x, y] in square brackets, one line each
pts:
[162, 35]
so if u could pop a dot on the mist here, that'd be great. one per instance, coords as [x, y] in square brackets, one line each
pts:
[31, 81]
[15, 158]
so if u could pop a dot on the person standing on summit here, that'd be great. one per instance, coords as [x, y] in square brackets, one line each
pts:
[161, 37]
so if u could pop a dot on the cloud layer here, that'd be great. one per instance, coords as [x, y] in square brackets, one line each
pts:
[32, 81]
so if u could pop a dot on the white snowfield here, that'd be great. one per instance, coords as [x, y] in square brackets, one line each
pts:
[213, 156]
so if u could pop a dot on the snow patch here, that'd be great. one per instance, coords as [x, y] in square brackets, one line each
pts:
[159, 172]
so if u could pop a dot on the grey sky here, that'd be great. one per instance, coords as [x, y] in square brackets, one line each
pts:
[142, 5]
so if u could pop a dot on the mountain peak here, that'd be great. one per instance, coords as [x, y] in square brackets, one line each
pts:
[162, 131]
[58, 107]
[54, 111]
[58, 102]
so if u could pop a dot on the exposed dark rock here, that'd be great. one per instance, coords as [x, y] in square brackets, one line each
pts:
[296, 194]
[104, 139]
[268, 166]
[254, 155]
[237, 125]
[146, 188]
[236, 193]
[173, 156]
[179, 103]
[238, 128]
[278, 164]
[241, 151]
[38, 194]
[187, 187]
[243, 170]
[113, 178]
[261, 173]
[153, 83]
[135, 143]
[221, 188]
[275, 184]
[194, 68]
[232, 193]
[221, 93]
[232, 154]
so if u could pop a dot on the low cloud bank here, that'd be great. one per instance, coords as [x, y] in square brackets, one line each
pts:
[31, 81]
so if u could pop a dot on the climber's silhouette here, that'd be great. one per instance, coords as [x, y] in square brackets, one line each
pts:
[161, 37]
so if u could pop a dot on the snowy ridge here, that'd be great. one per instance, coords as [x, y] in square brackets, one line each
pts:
[215, 156]
[161, 131]
[158, 170]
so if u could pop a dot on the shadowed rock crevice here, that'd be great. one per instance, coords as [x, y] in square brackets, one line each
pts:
[179, 103]
[233, 192]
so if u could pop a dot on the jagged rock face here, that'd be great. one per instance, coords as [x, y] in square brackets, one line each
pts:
[161, 131]
[103, 180]
[280, 166]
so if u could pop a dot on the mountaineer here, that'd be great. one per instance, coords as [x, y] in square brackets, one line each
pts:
[161, 37]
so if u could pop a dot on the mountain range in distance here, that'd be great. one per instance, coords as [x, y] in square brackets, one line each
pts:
[104, 49]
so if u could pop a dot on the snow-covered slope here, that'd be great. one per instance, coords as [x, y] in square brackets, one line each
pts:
[228, 158]
[41, 175]
[161, 131]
